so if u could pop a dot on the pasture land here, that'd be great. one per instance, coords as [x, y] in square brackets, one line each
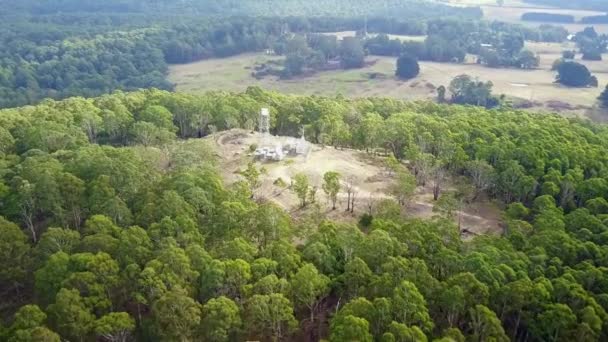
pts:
[534, 88]
[512, 11]
[405, 38]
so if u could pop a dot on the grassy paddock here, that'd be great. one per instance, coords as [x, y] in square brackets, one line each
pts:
[512, 11]
[343, 34]
[234, 74]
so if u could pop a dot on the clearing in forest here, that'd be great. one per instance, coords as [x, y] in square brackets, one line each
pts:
[370, 179]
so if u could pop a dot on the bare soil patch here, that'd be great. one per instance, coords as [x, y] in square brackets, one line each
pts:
[369, 176]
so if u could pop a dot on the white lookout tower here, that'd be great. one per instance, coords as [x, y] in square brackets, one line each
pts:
[264, 121]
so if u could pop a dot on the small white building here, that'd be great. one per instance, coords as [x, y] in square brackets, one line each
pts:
[269, 153]
[302, 146]
[272, 148]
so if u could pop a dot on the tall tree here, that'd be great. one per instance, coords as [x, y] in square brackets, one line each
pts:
[356, 277]
[331, 187]
[404, 186]
[350, 188]
[309, 287]
[14, 255]
[115, 327]
[29, 326]
[221, 320]
[301, 188]
[482, 175]
[573, 74]
[409, 306]
[407, 67]
[350, 328]
[176, 315]
[270, 316]
[556, 321]
[71, 316]
[352, 54]
[604, 97]
[486, 326]
[252, 175]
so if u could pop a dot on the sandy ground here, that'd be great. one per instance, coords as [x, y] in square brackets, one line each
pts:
[370, 179]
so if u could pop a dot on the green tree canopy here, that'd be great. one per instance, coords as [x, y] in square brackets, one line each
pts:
[407, 67]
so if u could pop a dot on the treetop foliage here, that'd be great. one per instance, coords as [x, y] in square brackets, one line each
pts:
[574, 74]
[86, 48]
[105, 237]
[407, 67]
[284, 8]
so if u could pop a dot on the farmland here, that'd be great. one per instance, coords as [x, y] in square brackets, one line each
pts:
[536, 87]
[512, 11]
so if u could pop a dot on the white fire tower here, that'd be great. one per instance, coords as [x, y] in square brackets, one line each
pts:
[264, 121]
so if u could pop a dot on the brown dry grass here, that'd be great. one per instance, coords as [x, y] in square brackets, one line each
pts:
[234, 74]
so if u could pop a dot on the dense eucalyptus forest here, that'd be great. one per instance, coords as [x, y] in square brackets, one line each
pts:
[117, 225]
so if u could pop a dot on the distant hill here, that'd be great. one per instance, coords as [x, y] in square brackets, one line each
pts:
[393, 8]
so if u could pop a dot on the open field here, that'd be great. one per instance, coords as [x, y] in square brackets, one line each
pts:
[342, 34]
[512, 11]
[537, 86]
[370, 179]
[534, 88]
[513, 15]
[508, 3]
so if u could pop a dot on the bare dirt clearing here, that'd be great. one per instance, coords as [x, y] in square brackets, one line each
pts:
[370, 179]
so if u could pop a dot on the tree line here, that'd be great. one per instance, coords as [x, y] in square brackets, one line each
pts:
[595, 19]
[113, 230]
[563, 18]
[63, 61]
[75, 48]
[597, 5]
[549, 17]
[591, 44]
[496, 44]
[314, 8]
